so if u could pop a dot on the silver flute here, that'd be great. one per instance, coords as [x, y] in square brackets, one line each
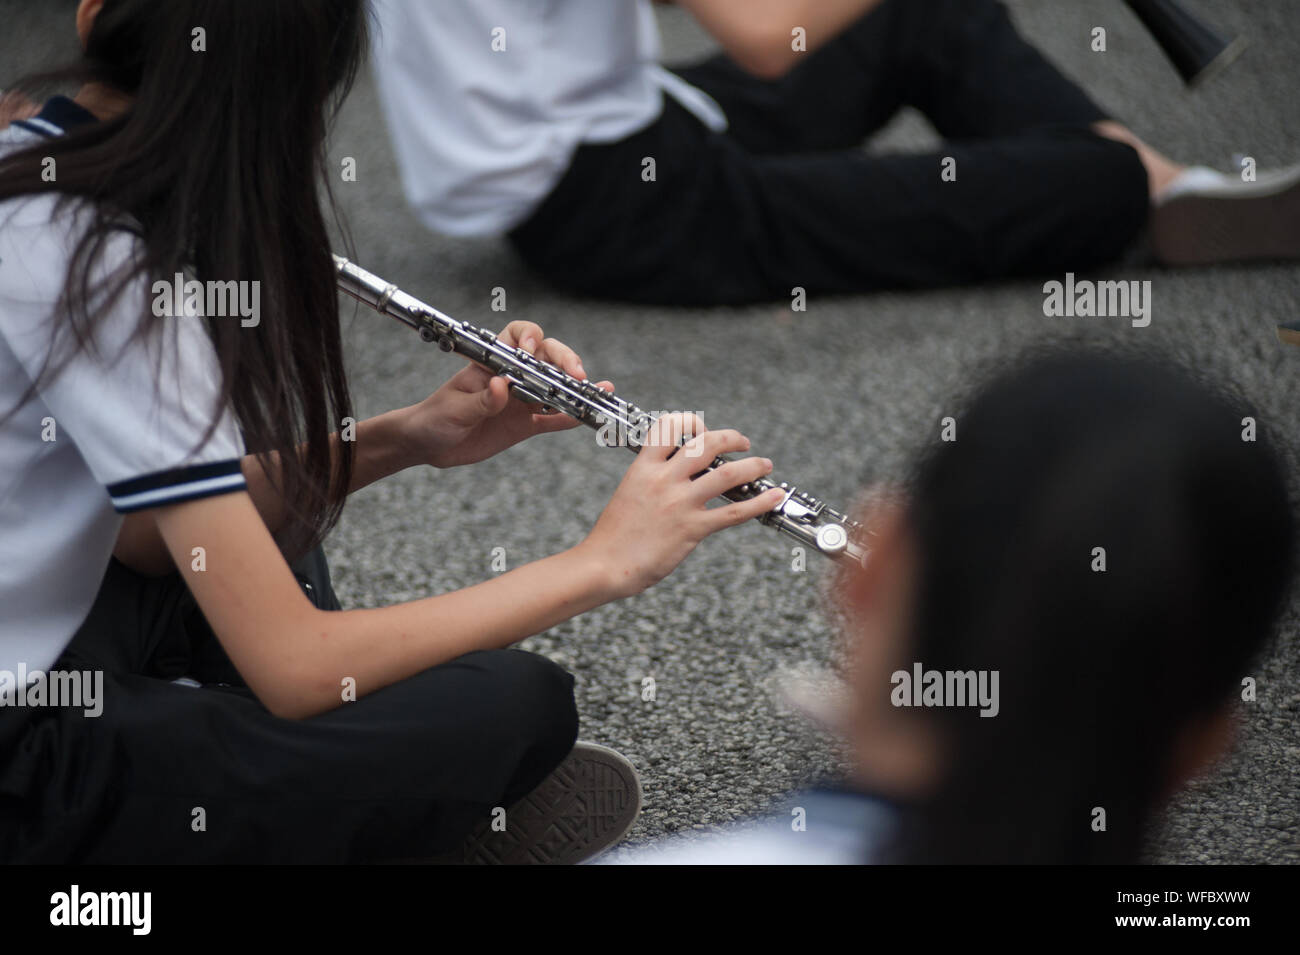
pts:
[799, 515]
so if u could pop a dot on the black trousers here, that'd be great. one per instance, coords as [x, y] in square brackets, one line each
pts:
[787, 198]
[401, 773]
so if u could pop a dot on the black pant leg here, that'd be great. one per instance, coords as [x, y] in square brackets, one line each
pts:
[1046, 202]
[774, 204]
[831, 101]
[720, 225]
[402, 773]
[961, 62]
[965, 66]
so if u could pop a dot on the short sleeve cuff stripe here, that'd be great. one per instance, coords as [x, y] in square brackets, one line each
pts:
[176, 486]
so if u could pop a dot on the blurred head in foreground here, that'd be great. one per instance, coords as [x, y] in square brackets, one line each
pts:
[1106, 545]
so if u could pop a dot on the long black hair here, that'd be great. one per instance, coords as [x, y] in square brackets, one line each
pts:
[1100, 670]
[217, 163]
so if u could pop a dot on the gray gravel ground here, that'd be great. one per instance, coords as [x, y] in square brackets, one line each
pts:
[838, 396]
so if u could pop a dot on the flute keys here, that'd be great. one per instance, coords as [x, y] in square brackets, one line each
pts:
[832, 539]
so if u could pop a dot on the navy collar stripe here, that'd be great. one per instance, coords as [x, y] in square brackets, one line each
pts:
[57, 116]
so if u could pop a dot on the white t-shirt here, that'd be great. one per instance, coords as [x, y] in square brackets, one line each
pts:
[486, 100]
[115, 430]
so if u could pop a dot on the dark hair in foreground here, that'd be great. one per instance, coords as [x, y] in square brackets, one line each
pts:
[1099, 672]
[218, 159]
